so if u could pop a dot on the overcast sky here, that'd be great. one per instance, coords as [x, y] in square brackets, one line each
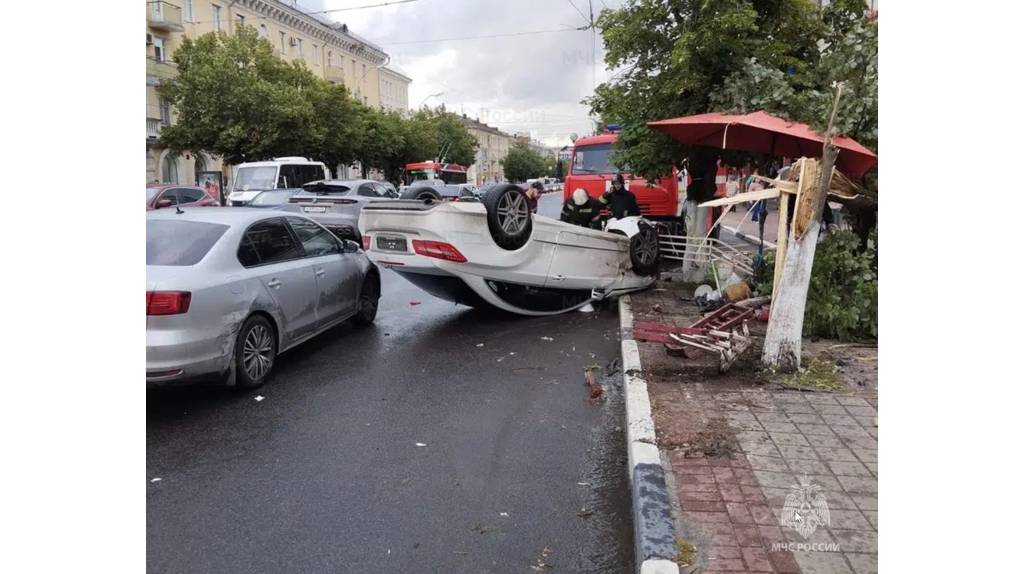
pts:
[528, 83]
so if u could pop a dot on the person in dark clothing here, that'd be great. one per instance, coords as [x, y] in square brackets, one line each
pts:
[620, 201]
[533, 195]
[582, 210]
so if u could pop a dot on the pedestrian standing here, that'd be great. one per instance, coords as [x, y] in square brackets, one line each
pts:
[533, 195]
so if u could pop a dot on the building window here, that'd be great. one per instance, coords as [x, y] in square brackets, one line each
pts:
[216, 17]
[263, 30]
[169, 169]
[282, 42]
[298, 47]
[188, 10]
[165, 112]
[316, 54]
[330, 58]
[354, 69]
[241, 21]
[159, 50]
[364, 72]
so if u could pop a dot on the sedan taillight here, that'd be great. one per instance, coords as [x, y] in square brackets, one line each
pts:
[167, 302]
[438, 250]
[366, 243]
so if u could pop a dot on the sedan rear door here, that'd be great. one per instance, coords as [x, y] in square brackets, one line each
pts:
[269, 249]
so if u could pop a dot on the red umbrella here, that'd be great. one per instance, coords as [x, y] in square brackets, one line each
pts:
[764, 133]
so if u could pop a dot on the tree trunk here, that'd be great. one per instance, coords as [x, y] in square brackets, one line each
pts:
[783, 341]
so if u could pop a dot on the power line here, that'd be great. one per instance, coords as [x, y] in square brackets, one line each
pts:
[588, 20]
[504, 35]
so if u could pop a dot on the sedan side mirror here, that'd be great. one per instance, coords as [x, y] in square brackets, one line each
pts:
[164, 203]
[350, 246]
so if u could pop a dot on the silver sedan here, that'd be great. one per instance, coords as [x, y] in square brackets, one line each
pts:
[229, 289]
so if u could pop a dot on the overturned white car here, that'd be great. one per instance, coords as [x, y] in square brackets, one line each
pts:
[493, 251]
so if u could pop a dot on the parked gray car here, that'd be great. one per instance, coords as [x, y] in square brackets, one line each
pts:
[229, 289]
[336, 204]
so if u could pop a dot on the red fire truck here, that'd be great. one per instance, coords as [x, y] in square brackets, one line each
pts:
[591, 169]
[449, 173]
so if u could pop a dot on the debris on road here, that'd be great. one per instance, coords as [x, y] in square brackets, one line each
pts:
[591, 375]
[546, 339]
[157, 479]
[503, 514]
[585, 512]
[259, 398]
[420, 444]
[479, 344]
[414, 302]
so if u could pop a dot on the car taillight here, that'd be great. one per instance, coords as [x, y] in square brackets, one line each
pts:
[366, 243]
[167, 302]
[437, 249]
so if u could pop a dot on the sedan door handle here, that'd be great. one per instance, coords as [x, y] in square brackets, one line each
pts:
[320, 272]
[274, 283]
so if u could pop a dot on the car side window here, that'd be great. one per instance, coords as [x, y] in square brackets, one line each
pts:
[381, 190]
[191, 195]
[316, 240]
[367, 190]
[268, 241]
[288, 177]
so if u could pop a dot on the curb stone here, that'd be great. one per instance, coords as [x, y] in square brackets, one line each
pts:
[653, 530]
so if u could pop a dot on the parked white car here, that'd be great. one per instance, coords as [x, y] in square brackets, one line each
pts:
[494, 252]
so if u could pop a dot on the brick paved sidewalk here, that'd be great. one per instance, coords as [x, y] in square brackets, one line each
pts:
[740, 450]
[732, 505]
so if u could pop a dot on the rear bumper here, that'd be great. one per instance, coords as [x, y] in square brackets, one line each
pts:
[174, 357]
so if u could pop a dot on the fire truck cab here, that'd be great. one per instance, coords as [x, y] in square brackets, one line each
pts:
[590, 168]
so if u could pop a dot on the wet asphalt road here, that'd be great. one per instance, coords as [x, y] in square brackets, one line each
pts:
[325, 475]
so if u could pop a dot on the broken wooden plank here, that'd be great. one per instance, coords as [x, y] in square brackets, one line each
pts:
[769, 193]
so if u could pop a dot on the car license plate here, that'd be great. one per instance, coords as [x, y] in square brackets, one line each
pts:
[391, 244]
[314, 208]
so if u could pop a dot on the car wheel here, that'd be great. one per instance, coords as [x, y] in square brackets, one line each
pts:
[421, 194]
[643, 250]
[255, 351]
[508, 216]
[369, 297]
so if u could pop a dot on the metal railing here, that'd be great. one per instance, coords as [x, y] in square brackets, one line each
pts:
[700, 251]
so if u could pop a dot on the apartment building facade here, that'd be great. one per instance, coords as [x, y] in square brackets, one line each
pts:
[394, 90]
[494, 146]
[329, 49]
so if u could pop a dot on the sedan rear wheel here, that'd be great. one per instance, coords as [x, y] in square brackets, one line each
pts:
[643, 250]
[508, 216]
[255, 351]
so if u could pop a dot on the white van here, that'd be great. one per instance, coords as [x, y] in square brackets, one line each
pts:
[280, 173]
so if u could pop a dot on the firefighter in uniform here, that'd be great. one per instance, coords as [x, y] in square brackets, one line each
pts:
[620, 201]
[582, 210]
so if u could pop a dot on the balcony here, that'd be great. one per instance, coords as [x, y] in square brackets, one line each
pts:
[157, 70]
[334, 75]
[165, 17]
[153, 126]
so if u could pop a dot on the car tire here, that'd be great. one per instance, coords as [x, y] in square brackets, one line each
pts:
[421, 194]
[255, 352]
[369, 298]
[508, 216]
[643, 250]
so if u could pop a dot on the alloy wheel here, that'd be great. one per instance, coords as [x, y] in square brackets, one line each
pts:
[256, 352]
[513, 213]
[647, 246]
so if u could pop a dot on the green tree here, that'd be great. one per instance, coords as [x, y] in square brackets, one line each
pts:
[235, 98]
[522, 163]
[673, 54]
[454, 140]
